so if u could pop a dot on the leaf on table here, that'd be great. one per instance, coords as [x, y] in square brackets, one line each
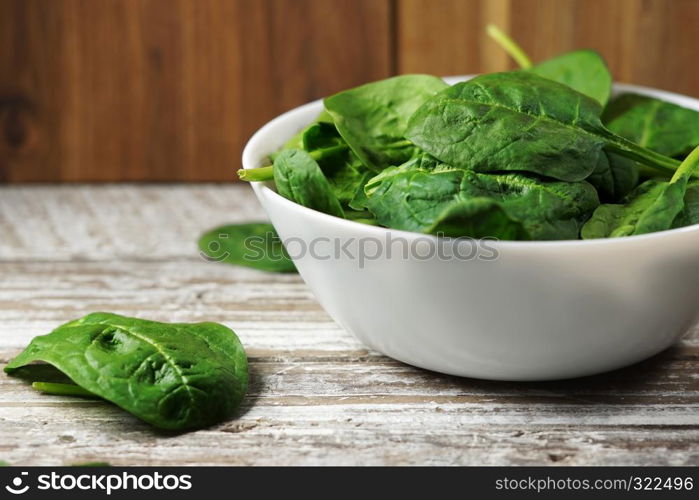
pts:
[171, 375]
[254, 244]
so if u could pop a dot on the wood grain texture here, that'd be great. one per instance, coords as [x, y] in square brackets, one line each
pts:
[646, 42]
[168, 89]
[317, 395]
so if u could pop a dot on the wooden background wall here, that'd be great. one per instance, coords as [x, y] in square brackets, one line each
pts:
[161, 90]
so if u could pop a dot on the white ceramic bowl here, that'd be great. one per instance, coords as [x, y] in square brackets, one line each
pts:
[541, 310]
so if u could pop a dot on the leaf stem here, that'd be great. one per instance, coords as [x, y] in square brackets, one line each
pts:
[319, 154]
[62, 389]
[633, 151]
[510, 46]
[256, 174]
[267, 173]
[686, 169]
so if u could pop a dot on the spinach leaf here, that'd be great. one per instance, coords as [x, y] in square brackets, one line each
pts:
[299, 178]
[320, 135]
[690, 213]
[664, 127]
[581, 70]
[296, 141]
[344, 170]
[614, 177]
[171, 375]
[372, 118]
[359, 200]
[266, 173]
[657, 125]
[253, 244]
[653, 206]
[425, 195]
[519, 121]
[345, 177]
[511, 122]
[477, 218]
[363, 216]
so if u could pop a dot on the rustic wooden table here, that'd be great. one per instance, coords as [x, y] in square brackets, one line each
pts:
[317, 395]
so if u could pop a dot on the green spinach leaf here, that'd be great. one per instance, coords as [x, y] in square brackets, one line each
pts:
[372, 118]
[359, 200]
[690, 213]
[582, 70]
[171, 375]
[477, 218]
[664, 127]
[253, 244]
[653, 206]
[299, 178]
[296, 141]
[344, 170]
[614, 177]
[363, 216]
[266, 173]
[519, 121]
[425, 195]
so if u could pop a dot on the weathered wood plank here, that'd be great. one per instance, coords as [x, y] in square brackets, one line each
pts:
[108, 221]
[360, 377]
[351, 434]
[317, 395]
[359, 408]
[36, 297]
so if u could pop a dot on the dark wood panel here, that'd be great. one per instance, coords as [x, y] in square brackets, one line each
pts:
[168, 89]
[161, 90]
[648, 42]
[447, 37]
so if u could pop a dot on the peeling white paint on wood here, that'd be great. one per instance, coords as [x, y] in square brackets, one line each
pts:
[317, 395]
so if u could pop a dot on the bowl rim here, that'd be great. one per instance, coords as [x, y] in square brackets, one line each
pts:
[261, 189]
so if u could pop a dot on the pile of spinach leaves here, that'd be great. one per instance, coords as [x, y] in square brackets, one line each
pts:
[539, 153]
